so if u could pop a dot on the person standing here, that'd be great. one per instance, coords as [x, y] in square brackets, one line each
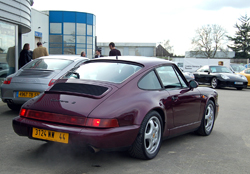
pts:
[25, 55]
[40, 51]
[10, 58]
[98, 53]
[113, 50]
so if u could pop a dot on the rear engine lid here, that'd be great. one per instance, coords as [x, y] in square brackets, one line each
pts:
[34, 76]
[75, 99]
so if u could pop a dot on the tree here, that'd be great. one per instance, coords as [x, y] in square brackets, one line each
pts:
[241, 41]
[208, 40]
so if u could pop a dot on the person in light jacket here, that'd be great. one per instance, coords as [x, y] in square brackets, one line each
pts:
[40, 51]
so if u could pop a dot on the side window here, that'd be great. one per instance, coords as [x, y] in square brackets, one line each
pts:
[184, 85]
[170, 77]
[203, 69]
[150, 81]
[247, 71]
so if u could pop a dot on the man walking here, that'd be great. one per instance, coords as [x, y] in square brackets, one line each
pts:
[40, 51]
[113, 50]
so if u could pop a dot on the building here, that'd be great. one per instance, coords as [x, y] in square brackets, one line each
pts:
[162, 52]
[130, 49]
[72, 32]
[63, 32]
[219, 54]
[15, 20]
[39, 30]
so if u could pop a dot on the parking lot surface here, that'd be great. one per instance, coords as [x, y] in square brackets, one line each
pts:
[226, 150]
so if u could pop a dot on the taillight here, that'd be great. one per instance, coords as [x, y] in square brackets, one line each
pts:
[102, 123]
[67, 119]
[23, 112]
[52, 81]
[7, 80]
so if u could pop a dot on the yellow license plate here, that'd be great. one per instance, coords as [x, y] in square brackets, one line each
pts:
[27, 94]
[50, 135]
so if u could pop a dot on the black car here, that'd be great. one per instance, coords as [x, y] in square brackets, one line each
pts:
[220, 76]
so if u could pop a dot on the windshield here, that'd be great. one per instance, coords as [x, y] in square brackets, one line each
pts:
[48, 64]
[105, 71]
[220, 69]
[238, 68]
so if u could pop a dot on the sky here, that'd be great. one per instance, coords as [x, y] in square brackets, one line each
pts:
[153, 21]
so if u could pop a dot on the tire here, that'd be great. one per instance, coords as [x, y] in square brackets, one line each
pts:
[240, 88]
[14, 107]
[149, 138]
[214, 83]
[207, 122]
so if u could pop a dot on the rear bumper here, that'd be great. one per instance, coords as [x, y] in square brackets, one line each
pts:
[105, 139]
[9, 93]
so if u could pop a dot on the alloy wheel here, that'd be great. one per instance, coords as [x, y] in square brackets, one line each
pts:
[152, 135]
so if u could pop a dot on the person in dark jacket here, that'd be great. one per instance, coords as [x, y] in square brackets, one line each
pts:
[113, 50]
[98, 53]
[25, 55]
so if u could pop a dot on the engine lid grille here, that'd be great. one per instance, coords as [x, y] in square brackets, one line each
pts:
[87, 89]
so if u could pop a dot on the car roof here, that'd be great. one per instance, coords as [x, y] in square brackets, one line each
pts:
[66, 57]
[146, 61]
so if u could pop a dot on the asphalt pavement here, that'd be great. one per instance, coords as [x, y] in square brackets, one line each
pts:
[225, 151]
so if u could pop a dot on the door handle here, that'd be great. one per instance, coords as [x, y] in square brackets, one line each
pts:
[174, 98]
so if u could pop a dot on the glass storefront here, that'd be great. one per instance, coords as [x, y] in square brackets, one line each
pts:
[72, 33]
[7, 49]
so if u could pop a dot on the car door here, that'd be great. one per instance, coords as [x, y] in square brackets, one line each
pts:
[185, 102]
[202, 74]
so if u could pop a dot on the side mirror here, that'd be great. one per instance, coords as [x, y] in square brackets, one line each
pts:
[193, 84]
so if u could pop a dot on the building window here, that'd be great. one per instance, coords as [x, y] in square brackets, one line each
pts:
[7, 48]
[81, 29]
[55, 38]
[69, 28]
[89, 30]
[89, 40]
[81, 39]
[56, 28]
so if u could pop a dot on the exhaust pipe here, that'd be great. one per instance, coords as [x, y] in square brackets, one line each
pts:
[9, 101]
[93, 149]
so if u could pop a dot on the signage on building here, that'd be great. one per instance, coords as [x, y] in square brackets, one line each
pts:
[38, 34]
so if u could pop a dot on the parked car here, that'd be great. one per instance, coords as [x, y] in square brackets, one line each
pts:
[247, 65]
[246, 73]
[4, 69]
[35, 77]
[220, 76]
[188, 75]
[237, 67]
[130, 103]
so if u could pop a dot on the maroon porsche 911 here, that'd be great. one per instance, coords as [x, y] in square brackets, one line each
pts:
[113, 103]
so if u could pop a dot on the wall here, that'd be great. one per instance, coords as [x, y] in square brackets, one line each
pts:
[16, 12]
[40, 25]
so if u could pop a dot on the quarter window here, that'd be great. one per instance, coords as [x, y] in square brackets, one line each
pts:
[150, 81]
[170, 77]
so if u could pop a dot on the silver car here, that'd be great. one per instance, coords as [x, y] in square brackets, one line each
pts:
[35, 77]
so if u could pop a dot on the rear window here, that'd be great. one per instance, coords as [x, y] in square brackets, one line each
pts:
[106, 71]
[49, 64]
